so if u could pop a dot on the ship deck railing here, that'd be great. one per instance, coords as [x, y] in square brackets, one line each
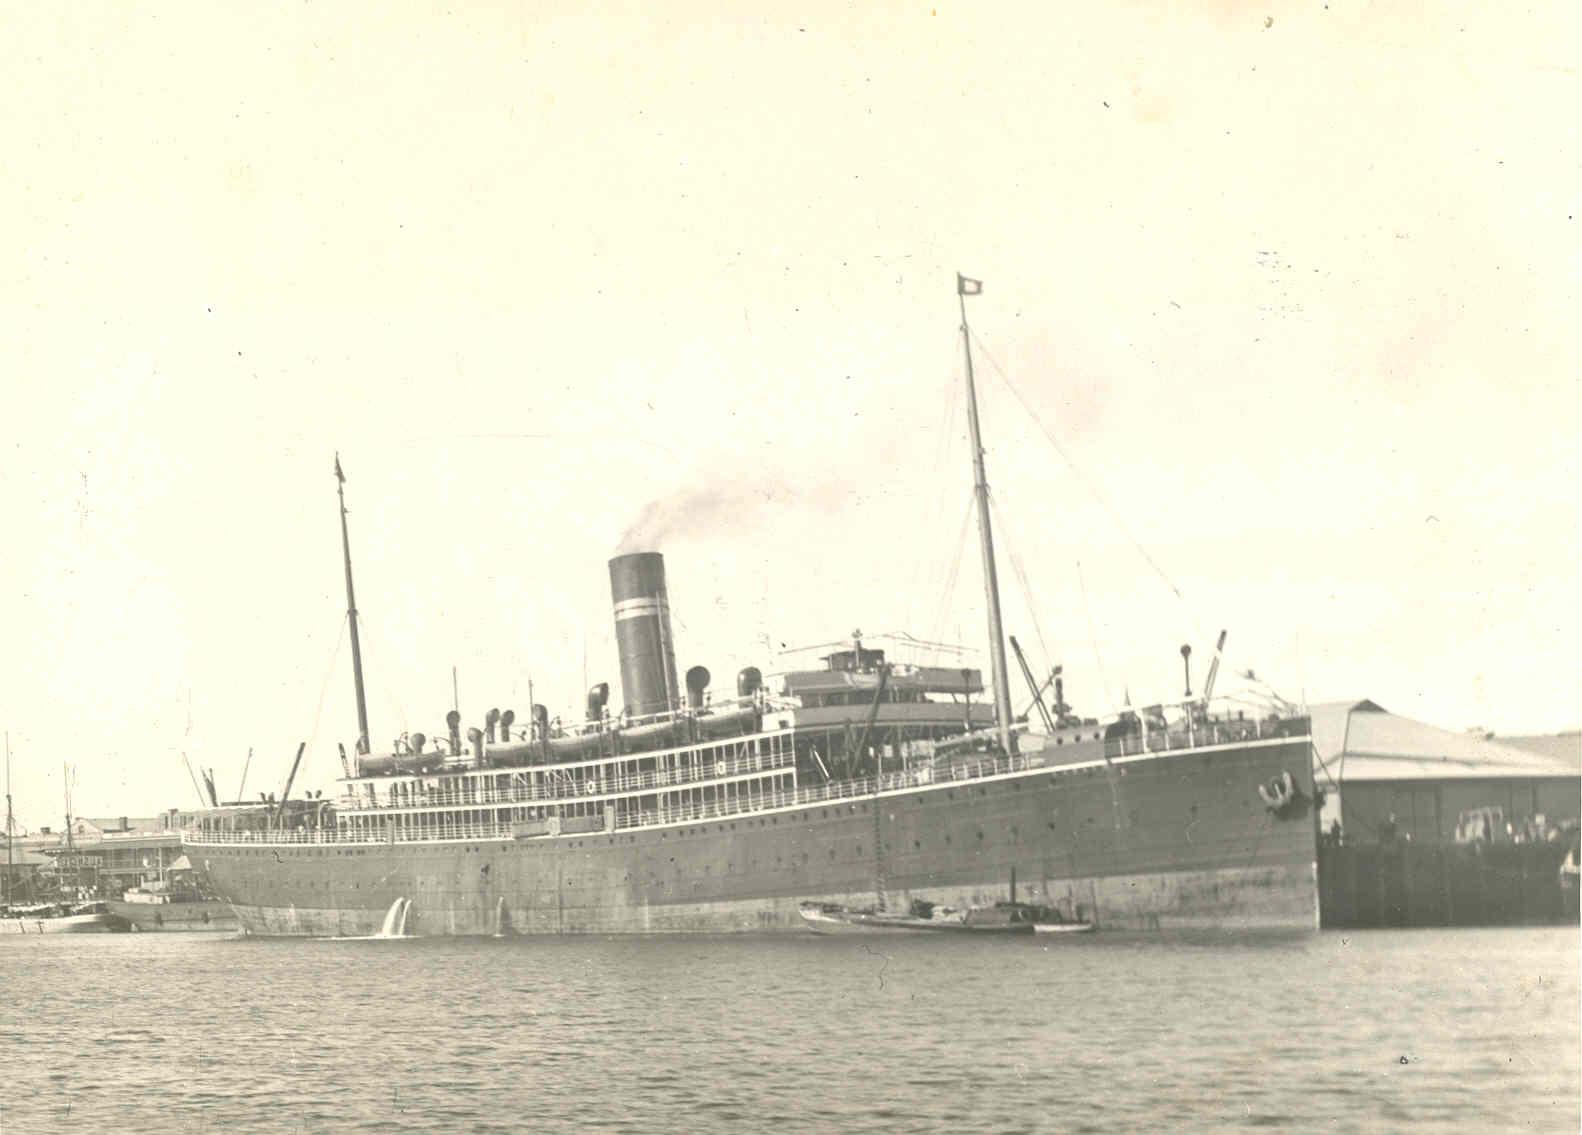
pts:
[758, 802]
[1201, 735]
[563, 788]
[1197, 733]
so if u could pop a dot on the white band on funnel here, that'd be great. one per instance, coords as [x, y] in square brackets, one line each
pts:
[641, 608]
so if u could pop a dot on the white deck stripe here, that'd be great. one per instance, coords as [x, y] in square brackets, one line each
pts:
[916, 789]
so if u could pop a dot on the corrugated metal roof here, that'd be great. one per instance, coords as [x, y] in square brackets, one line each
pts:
[1564, 748]
[1360, 741]
[1329, 723]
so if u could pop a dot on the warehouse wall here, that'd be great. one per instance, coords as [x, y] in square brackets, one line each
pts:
[1428, 810]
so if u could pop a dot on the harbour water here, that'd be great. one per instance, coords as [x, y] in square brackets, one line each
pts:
[1374, 1030]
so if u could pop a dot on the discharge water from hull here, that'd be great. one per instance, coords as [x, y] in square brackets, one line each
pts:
[502, 919]
[394, 925]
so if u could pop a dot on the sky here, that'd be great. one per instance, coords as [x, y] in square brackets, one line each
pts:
[1276, 335]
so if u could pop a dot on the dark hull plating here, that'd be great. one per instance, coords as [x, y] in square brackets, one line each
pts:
[1178, 840]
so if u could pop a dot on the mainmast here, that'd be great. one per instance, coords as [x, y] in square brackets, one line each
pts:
[991, 582]
[351, 617]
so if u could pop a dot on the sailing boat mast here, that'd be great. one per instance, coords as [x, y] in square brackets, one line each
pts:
[71, 843]
[991, 582]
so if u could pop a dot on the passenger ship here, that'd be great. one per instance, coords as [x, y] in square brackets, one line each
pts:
[864, 781]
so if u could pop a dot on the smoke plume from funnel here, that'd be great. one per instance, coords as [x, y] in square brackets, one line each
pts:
[700, 509]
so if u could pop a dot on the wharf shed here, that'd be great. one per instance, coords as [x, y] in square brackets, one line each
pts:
[1374, 765]
[21, 870]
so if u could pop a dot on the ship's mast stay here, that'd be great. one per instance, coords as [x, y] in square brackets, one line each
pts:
[991, 582]
[351, 617]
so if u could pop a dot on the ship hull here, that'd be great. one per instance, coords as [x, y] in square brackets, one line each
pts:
[1173, 841]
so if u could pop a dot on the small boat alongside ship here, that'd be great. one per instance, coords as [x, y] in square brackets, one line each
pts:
[922, 917]
[1062, 927]
[150, 909]
[172, 900]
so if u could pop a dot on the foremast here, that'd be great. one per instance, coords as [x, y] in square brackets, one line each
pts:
[991, 582]
[351, 617]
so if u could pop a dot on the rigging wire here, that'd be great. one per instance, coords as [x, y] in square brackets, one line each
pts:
[1092, 489]
[923, 567]
[949, 589]
[384, 647]
[324, 687]
[1021, 576]
[1104, 678]
[953, 400]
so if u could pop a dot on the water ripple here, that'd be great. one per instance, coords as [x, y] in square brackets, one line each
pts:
[196, 1033]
